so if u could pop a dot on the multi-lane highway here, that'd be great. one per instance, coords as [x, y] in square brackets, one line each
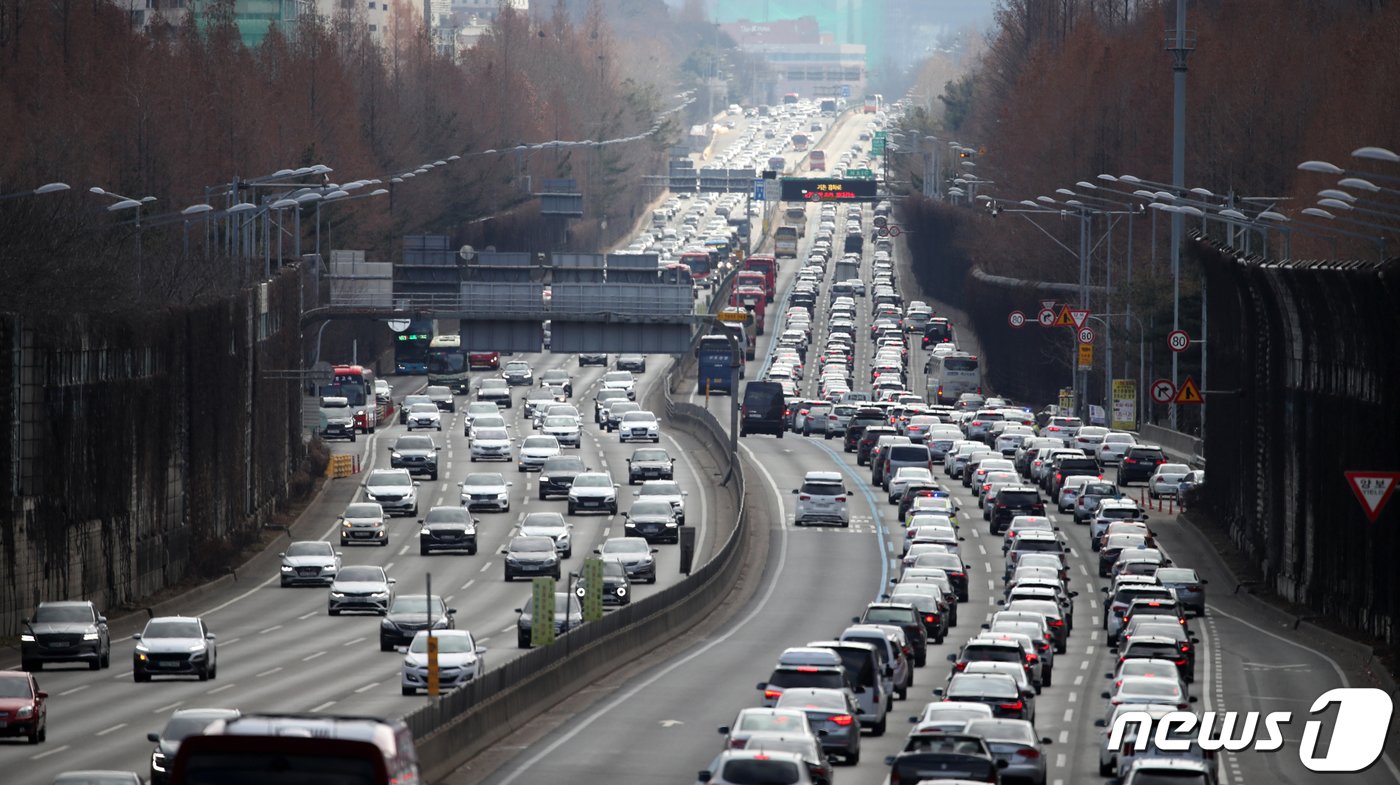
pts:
[659, 725]
[278, 648]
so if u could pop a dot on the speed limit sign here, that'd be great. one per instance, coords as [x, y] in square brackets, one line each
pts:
[1086, 335]
[882, 232]
[895, 231]
[1016, 319]
[1178, 340]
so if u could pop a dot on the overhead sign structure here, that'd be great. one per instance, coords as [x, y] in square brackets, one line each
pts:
[1086, 335]
[1086, 356]
[1078, 316]
[1016, 319]
[1178, 340]
[1163, 390]
[1064, 319]
[1125, 404]
[1373, 490]
[1046, 317]
[807, 189]
[1189, 392]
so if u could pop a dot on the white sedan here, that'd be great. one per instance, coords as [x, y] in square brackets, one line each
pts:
[636, 426]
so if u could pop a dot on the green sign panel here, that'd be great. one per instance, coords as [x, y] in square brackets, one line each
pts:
[860, 173]
[592, 588]
[880, 136]
[542, 612]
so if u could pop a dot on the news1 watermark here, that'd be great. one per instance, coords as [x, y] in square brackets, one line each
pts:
[1357, 738]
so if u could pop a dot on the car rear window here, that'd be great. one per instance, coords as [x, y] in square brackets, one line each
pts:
[1147, 453]
[789, 677]
[1150, 649]
[760, 772]
[1026, 546]
[991, 654]
[1018, 498]
[908, 452]
[822, 489]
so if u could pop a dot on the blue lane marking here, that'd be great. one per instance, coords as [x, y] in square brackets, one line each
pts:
[840, 460]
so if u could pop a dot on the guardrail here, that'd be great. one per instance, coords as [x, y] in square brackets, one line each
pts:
[1175, 441]
[454, 728]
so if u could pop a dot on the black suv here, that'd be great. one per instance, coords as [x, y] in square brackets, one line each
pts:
[65, 632]
[864, 417]
[558, 473]
[868, 437]
[1140, 463]
[650, 463]
[1015, 500]
[907, 618]
[418, 454]
[1073, 467]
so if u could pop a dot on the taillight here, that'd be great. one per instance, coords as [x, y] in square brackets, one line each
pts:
[773, 694]
[959, 666]
[804, 497]
[738, 744]
[1027, 752]
[843, 719]
[1181, 662]
[1057, 623]
[1185, 647]
[931, 618]
[1031, 658]
[840, 498]
[1017, 706]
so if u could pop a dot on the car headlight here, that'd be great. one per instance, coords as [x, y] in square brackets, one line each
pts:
[91, 636]
[380, 595]
[395, 455]
[501, 495]
[347, 525]
[335, 595]
[158, 761]
[360, 413]
[610, 499]
[425, 531]
[196, 647]
[26, 638]
[24, 713]
[386, 624]
[287, 568]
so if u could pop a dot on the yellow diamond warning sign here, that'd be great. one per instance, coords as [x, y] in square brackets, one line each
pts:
[1189, 392]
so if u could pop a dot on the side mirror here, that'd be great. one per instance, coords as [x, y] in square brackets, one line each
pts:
[1108, 675]
[794, 490]
[656, 550]
[208, 636]
[393, 581]
[1001, 764]
[598, 550]
[1204, 581]
[416, 483]
[1105, 695]
[517, 610]
[889, 760]
[1074, 594]
[136, 636]
[954, 657]
[101, 619]
[704, 776]
[451, 611]
[986, 626]
[1099, 723]
[284, 555]
[480, 649]
[855, 620]
[153, 737]
[1193, 699]
[724, 730]
[761, 685]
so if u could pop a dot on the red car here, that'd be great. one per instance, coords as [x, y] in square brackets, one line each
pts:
[23, 707]
[491, 360]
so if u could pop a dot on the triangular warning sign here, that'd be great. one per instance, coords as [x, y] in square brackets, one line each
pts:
[1189, 392]
[1046, 305]
[1064, 319]
[1373, 490]
[1079, 316]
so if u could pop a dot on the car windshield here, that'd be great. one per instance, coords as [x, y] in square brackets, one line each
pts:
[992, 686]
[559, 422]
[822, 489]
[617, 376]
[15, 687]
[566, 603]
[59, 614]
[309, 549]
[423, 408]
[638, 417]
[1100, 489]
[416, 603]
[360, 574]
[387, 479]
[447, 644]
[539, 442]
[448, 515]
[414, 443]
[629, 545]
[543, 519]
[364, 511]
[481, 408]
[531, 544]
[651, 455]
[517, 365]
[1150, 686]
[592, 481]
[564, 463]
[180, 728]
[996, 730]
[492, 434]
[662, 508]
[661, 488]
[483, 479]
[493, 384]
[1149, 776]
[438, 391]
[172, 629]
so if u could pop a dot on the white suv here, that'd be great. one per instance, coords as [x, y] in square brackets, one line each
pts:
[822, 499]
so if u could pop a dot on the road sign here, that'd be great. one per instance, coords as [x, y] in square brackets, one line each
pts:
[1046, 318]
[883, 231]
[881, 135]
[1163, 390]
[733, 316]
[845, 91]
[805, 189]
[399, 325]
[1086, 335]
[866, 173]
[758, 189]
[1016, 319]
[1178, 340]
[1086, 356]
[1064, 319]
[895, 231]
[1079, 316]
[1066, 400]
[1372, 489]
[1047, 305]
[1125, 404]
[1189, 392]
[541, 611]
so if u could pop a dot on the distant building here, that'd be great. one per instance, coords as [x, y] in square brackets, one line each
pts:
[801, 58]
[255, 18]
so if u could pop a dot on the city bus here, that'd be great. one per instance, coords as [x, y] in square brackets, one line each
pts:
[874, 102]
[355, 383]
[447, 363]
[714, 364]
[951, 375]
[676, 273]
[411, 348]
[790, 98]
[816, 161]
[699, 264]
[785, 242]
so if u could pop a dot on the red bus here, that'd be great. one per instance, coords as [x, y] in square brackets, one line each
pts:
[754, 299]
[699, 264]
[816, 161]
[790, 98]
[768, 265]
[356, 384]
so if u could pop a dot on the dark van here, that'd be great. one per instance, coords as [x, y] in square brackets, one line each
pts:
[764, 409]
[938, 330]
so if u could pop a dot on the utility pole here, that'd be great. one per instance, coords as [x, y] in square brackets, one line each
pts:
[1180, 46]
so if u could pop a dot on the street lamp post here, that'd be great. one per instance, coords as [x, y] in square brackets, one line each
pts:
[46, 188]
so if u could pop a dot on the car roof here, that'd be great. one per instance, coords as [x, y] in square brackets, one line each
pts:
[822, 477]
